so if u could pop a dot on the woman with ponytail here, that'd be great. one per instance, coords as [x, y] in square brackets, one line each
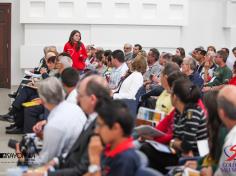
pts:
[76, 49]
[189, 127]
[190, 120]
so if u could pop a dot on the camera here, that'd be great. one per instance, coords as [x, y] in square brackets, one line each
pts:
[29, 147]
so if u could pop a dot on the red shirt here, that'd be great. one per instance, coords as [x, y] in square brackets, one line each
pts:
[78, 57]
[232, 81]
[166, 126]
[125, 145]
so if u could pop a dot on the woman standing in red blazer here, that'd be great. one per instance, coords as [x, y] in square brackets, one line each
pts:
[76, 50]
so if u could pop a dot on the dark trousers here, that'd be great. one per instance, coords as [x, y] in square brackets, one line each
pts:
[147, 101]
[25, 94]
[159, 160]
[22, 82]
[31, 116]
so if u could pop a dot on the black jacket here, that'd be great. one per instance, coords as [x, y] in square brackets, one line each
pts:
[77, 161]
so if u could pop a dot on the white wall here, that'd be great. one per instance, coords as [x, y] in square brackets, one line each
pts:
[165, 24]
[105, 23]
[17, 36]
[205, 25]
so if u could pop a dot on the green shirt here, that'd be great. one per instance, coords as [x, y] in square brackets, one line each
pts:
[221, 76]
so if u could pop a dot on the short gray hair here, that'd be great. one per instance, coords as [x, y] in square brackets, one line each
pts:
[51, 91]
[65, 61]
[192, 63]
[128, 45]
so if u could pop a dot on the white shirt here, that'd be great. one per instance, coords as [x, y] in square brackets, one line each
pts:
[65, 123]
[230, 62]
[130, 86]
[72, 97]
[116, 75]
[230, 140]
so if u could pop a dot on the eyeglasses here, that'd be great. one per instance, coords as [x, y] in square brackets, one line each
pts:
[81, 95]
[127, 48]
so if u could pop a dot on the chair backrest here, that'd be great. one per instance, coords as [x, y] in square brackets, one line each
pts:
[142, 158]
[131, 104]
[145, 171]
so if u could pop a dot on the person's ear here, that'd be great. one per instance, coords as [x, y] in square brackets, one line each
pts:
[93, 99]
[221, 113]
[116, 127]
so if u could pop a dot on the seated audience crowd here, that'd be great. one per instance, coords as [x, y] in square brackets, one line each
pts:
[84, 106]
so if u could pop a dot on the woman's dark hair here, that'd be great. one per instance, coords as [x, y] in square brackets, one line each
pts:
[99, 55]
[186, 91]
[234, 66]
[107, 53]
[51, 59]
[177, 59]
[116, 111]
[79, 43]
[182, 52]
[213, 124]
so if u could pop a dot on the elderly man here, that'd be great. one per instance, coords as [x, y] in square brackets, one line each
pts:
[188, 67]
[227, 112]
[63, 61]
[128, 52]
[65, 121]
[91, 91]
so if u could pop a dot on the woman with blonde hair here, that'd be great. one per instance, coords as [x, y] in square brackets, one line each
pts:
[133, 80]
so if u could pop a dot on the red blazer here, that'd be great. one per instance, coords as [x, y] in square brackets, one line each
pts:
[166, 125]
[78, 57]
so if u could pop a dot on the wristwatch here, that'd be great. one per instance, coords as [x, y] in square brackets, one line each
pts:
[94, 168]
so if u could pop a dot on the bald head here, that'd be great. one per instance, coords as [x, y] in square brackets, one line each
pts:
[229, 93]
[227, 105]
[92, 90]
[93, 78]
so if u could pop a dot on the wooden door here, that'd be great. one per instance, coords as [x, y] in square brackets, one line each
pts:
[5, 45]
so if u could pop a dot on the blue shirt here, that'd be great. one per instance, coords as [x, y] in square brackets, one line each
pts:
[121, 161]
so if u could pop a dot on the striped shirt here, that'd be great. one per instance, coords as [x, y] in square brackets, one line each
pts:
[116, 75]
[189, 127]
